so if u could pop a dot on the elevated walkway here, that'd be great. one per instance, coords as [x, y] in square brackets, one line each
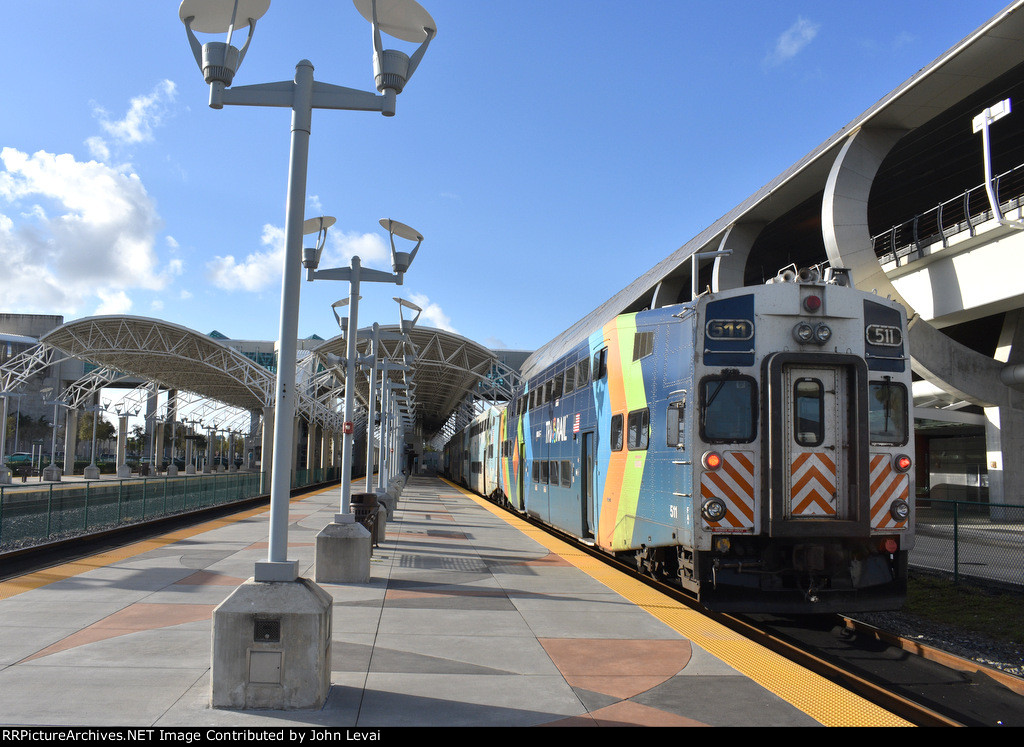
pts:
[471, 618]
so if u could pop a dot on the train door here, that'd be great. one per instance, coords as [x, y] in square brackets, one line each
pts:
[587, 483]
[816, 442]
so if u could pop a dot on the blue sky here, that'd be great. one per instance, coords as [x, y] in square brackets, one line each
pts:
[549, 151]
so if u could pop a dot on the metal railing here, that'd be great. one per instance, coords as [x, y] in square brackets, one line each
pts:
[962, 213]
[57, 511]
[971, 541]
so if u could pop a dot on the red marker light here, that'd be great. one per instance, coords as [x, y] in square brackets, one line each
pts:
[812, 303]
[891, 545]
[712, 460]
[902, 463]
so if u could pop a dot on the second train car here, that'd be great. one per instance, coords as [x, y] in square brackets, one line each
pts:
[754, 446]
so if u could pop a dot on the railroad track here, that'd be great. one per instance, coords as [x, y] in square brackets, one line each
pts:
[923, 685]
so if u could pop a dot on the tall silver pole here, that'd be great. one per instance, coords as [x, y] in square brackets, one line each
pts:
[280, 486]
[350, 388]
[371, 407]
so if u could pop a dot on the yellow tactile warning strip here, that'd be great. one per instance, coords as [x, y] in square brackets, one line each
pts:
[819, 698]
[68, 570]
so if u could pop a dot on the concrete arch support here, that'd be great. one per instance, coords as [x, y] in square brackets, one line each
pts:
[729, 269]
[844, 209]
[844, 226]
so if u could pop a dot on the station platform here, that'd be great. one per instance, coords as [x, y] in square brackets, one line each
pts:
[472, 618]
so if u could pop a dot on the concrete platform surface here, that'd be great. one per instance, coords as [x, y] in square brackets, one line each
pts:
[471, 618]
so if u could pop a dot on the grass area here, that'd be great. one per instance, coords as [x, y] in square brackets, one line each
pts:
[994, 613]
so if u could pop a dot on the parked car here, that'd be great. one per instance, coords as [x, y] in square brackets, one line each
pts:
[19, 458]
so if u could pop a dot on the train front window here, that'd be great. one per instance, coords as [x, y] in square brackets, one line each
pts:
[727, 409]
[809, 412]
[887, 413]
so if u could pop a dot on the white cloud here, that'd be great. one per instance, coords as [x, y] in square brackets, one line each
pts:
[86, 230]
[257, 271]
[262, 269]
[792, 41]
[371, 248]
[433, 315]
[113, 302]
[144, 113]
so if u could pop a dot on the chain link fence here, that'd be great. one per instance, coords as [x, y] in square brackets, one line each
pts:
[971, 541]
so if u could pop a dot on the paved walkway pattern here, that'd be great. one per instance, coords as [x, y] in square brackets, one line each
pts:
[471, 618]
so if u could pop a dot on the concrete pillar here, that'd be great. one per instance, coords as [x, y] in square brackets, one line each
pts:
[267, 448]
[208, 467]
[123, 470]
[70, 441]
[311, 461]
[190, 467]
[158, 448]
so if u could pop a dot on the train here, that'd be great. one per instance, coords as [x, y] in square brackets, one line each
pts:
[753, 446]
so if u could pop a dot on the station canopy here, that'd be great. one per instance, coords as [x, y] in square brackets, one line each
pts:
[448, 374]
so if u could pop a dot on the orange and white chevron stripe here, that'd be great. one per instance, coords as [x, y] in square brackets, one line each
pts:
[813, 485]
[886, 485]
[734, 484]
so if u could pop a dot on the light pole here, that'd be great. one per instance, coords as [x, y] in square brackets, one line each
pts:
[355, 274]
[219, 61]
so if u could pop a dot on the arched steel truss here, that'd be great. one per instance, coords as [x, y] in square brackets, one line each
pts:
[449, 375]
[450, 380]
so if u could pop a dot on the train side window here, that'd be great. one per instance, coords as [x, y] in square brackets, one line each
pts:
[808, 412]
[676, 424]
[583, 373]
[887, 413]
[616, 433]
[570, 379]
[728, 409]
[566, 470]
[544, 472]
[638, 425]
[556, 387]
[536, 471]
[643, 345]
[553, 472]
[600, 364]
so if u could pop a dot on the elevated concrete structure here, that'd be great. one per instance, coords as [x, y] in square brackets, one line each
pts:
[899, 197]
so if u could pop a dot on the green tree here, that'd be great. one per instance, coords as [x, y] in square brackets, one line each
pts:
[104, 429]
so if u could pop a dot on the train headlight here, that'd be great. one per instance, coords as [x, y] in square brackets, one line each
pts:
[711, 460]
[713, 509]
[899, 510]
[803, 332]
[901, 463]
[822, 334]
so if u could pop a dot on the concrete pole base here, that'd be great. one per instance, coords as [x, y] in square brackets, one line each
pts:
[172, 470]
[343, 554]
[91, 472]
[5, 475]
[272, 647]
[124, 472]
[52, 473]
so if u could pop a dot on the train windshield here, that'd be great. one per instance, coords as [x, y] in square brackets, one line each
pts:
[887, 413]
[727, 409]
